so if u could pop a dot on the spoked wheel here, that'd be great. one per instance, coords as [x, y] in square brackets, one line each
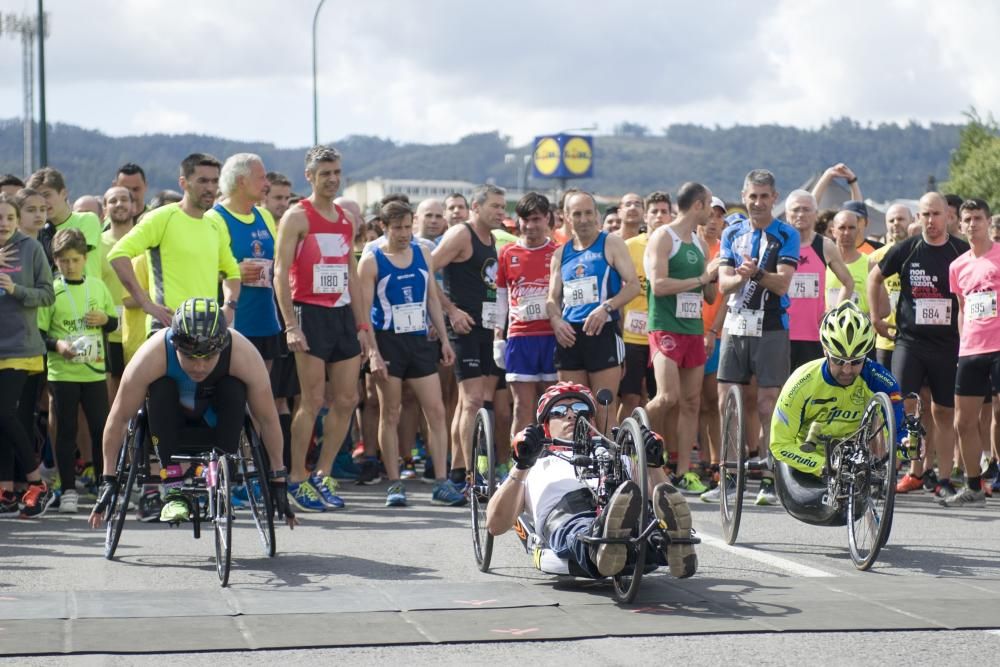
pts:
[484, 483]
[632, 457]
[254, 470]
[732, 471]
[223, 520]
[129, 462]
[641, 416]
[872, 491]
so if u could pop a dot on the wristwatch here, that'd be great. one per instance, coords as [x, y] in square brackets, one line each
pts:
[607, 307]
[232, 304]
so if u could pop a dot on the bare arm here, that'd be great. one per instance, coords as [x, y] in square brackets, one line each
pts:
[126, 275]
[367, 277]
[839, 268]
[564, 333]
[248, 366]
[437, 314]
[657, 261]
[507, 503]
[778, 282]
[456, 246]
[292, 228]
[876, 283]
[360, 308]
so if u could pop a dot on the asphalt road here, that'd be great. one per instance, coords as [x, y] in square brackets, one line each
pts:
[931, 549]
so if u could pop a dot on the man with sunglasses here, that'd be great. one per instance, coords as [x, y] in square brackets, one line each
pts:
[828, 396]
[561, 508]
[196, 378]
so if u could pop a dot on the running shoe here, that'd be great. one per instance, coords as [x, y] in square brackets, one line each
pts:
[85, 479]
[909, 483]
[305, 497]
[991, 471]
[428, 477]
[69, 502]
[327, 487]
[616, 521]
[766, 495]
[419, 451]
[408, 471]
[502, 470]
[396, 495]
[150, 506]
[238, 497]
[674, 515]
[344, 467]
[37, 500]
[370, 474]
[930, 481]
[945, 489]
[964, 498]
[8, 503]
[176, 508]
[445, 493]
[713, 494]
[691, 485]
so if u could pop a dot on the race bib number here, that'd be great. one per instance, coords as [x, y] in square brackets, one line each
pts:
[581, 292]
[264, 269]
[531, 309]
[409, 318]
[689, 305]
[490, 315]
[329, 278]
[745, 323]
[87, 348]
[980, 305]
[804, 286]
[833, 292]
[636, 322]
[936, 312]
[893, 300]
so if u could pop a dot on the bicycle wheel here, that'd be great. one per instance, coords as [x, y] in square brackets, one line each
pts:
[872, 488]
[641, 416]
[129, 462]
[223, 520]
[254, 470]
[484, 482]
[732, 471]
[632, 457]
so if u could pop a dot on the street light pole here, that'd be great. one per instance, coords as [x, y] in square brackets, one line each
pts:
[315, 97]
[43, 142]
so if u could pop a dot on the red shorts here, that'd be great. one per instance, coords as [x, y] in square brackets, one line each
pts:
[686, 350]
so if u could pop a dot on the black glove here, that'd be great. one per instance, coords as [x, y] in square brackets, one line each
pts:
[654, 448]
[279, 501]
[527, 446]
[109, 486]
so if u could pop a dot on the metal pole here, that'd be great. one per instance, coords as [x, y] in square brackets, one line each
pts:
[43, 147]
[315, 97]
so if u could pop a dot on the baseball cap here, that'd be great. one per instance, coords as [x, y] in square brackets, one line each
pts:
[718, 203]
[856, 207]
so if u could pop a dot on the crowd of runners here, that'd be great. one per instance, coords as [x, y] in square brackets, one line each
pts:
[385, 330]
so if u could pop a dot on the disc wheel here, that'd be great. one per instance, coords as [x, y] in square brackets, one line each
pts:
[254, 470]
[872, 491]
[732, 471]
[632, 462]
[483, 484]
[223, 521]
[129, 461]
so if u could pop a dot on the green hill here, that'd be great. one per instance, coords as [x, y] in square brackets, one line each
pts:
[891, 161]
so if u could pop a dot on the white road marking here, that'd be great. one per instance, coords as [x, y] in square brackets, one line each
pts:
[771, 560]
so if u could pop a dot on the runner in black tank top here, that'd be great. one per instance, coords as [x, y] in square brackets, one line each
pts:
[472, 283]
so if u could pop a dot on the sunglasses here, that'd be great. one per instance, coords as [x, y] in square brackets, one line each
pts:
[579, 409]
[837, 361]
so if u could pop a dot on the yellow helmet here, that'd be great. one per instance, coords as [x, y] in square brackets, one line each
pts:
[846, 332]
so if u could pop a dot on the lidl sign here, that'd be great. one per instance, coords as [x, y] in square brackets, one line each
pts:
[563, 156]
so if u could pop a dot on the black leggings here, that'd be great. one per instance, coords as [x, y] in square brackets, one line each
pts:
[168, 423]
[14, 442]
[67, 397]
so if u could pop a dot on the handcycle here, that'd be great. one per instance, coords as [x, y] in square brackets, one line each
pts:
[602, 464]
[211, 477]
[857, 488]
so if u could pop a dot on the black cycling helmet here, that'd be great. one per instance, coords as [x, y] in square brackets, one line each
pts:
[199, 328]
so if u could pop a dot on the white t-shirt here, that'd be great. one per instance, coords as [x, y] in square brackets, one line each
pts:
[548, 481]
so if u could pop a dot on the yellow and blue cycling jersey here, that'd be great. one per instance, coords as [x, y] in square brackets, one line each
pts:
[811, 395]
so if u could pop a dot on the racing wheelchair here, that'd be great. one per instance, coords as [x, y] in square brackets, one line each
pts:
[602, 464]
[211, 477]
[857, 488]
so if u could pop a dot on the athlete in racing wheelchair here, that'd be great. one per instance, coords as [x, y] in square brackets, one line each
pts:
[196, 380]
[544, 495]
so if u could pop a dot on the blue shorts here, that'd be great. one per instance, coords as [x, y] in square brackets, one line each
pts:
[712, 365]
[531, 359]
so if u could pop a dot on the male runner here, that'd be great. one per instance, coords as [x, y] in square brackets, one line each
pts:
[50, 183]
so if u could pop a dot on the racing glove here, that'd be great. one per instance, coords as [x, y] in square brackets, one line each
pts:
[527, 446]
[653, 443]
[279, 501]
[109, 486]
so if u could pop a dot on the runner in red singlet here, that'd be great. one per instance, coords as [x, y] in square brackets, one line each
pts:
[326, 324]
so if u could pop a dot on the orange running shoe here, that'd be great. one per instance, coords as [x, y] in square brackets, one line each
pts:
[909, 483]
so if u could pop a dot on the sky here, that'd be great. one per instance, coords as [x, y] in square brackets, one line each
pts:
[432, 71]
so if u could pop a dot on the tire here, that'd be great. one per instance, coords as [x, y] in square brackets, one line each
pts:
[732, 471]
[632, 458]
[641, 416]
[129, 463]
[255, 474]
[223, 520]
[872, 489]
[483, 484]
